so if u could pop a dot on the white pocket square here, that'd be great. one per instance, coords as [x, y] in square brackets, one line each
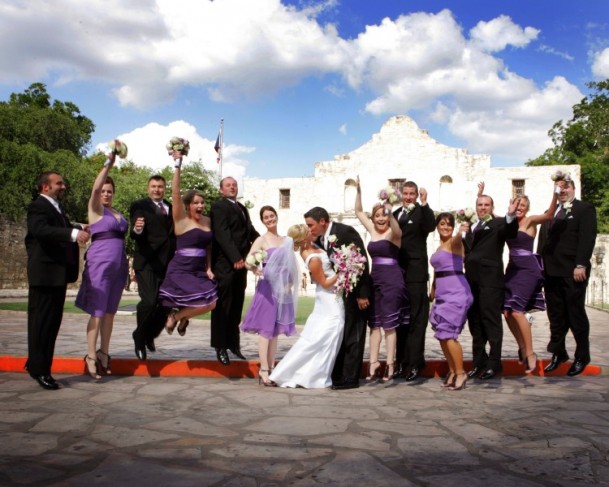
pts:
[570, 217]
[409, 222]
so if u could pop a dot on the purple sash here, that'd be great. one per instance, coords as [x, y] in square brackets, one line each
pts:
[526, 253]
[384, 261]
[448, 273]
[107, 235]
[191, 252]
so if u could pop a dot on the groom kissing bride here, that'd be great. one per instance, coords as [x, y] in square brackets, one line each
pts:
[329, 236]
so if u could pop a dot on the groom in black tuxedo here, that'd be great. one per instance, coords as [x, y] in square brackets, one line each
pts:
[566, 244]
[233, 238]
[484, 243]
[152, 230]
[347, 368]
[52, 250]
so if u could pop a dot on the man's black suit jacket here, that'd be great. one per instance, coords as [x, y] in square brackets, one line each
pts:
[155, 246]
[52, 256]
[568, 242]
[233, 234]
[484, 252]
[413, 248]
[346, 235]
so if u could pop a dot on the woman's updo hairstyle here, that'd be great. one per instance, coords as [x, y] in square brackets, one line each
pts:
[298, 233]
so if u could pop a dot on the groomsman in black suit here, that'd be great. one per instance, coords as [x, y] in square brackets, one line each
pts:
[51, 242]
[233, 237]
[348, 366]
[566, 244]
[152, 230]
[417, 221]
[484, 268]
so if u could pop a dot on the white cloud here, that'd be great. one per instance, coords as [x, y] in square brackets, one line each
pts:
[600, 65]
[343, 129]
[551, 50]
[501, 32]
[147, 148]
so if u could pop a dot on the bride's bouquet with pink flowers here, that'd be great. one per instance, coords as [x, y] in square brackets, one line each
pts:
[389, 194]
[349, 264]
[178, 144]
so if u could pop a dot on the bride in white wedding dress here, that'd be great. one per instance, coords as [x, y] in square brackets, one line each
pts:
[310, 361]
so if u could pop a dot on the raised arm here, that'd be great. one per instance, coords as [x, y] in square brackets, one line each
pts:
[178, 212]
[359, 210]
[95, 209]
[549, 213]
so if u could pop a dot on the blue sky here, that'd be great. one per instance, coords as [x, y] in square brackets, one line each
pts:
[298, 82]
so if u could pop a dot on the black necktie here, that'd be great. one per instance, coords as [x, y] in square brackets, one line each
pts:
[403, 215]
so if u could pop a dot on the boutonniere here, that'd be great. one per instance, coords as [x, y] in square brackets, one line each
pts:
[410, 207]
[567, 206]
[332, 240]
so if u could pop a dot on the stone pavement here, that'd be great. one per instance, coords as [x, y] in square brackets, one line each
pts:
[135, 430]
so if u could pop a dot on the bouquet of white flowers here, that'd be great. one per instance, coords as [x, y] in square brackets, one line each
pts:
[178, 144]
[255, 259]
[466, 215]
[118, 147]
[561, 176]
[389, 194]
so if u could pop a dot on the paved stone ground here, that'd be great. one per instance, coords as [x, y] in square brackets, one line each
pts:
[516, 431]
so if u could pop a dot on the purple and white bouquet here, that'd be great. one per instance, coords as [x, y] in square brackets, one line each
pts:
[118, 147]
[178, 144]
[389, 194]
[349, 264]
[560, 176]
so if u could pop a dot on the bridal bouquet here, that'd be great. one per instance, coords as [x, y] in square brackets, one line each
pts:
[349, 264]
[256, 258]
[118, 147]
[178, 144]
[560, 176]
[466, 215]
[389, 194]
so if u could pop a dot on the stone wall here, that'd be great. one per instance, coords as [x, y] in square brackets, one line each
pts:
[13, 264]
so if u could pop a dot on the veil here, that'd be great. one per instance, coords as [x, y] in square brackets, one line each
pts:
[282, 273]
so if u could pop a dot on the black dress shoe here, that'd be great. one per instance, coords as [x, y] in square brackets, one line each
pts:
[398, 371]
[140, 348]
[555, 362]
[474, 372]
[237, 353]
[577, 367]
[413, 374]
[347, 384]
[150, 345]
[487, 374]
[222, 356]
[46, 382]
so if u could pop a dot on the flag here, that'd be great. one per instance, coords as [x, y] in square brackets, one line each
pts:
[218, 146]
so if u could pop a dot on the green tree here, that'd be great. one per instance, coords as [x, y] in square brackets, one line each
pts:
[584, 140]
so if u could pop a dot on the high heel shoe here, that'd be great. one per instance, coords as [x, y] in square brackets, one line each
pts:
[450, 379]
[374, 372]
[265, 381]
[520, 357]
[530, 369]
[456, 387]
[106, 369]
[388, 372]
[171, 323]
[184, 322]
[91, 367]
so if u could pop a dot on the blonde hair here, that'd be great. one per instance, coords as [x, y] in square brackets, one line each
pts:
[298, 233]
[375, 208]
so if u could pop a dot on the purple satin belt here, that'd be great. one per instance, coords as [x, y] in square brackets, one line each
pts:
[526, 253]
[448, 273]
[384, 261]
[191, 252]
[108, 235]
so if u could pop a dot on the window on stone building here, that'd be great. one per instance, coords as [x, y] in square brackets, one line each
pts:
[517, 188]
[446, 194]
[397, 184]
[284, 198]
[446, 179]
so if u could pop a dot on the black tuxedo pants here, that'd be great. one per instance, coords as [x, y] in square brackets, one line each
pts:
[348, 365]
[486, 326]
[410, 350]
[565, 301]
[45, 312]
[151, 316]
[226, 316]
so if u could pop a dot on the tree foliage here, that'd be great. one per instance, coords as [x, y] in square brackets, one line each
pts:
[584, 140]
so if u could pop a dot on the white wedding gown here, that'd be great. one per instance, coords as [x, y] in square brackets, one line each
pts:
[310, 361]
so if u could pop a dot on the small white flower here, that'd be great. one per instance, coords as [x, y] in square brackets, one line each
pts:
[332, 239]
